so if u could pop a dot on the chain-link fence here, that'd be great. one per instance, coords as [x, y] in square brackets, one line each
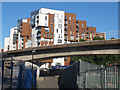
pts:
[94, 76]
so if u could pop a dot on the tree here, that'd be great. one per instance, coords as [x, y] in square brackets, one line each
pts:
[98, 38]
[112, 38]
[82, 40]
[98, 59]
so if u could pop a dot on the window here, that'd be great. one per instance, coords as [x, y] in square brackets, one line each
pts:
[47, 34]
[58, 35]
[65, 17]
[72, 37]
[57, 15]
[59, 41]
[21, 31]
[69, 23]
[82, 25]
[69, 18]
[66, 22]
[70, 28]
[47, 29]
[27, 37]
[52, 19]
[59, 25]
[51, 24]
[73, 23]
[70, 32]
[45, 17]
[51, 34]
[32, 16]
[87, 28]
[39, 29]
[73, 18]
[73, 27]
[92, 31]
[61, 30]
[52, 29]
[73, 33]
[44, 33]
[57, 30]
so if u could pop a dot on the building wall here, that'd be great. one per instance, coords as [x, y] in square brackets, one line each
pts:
[70, 27]
[7, 44]
[13, 38]
[24, 32]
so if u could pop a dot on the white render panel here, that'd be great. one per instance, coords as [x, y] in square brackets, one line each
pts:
[41, 19]
[12, 31]
[58, 60]
[58, 24]
[6, 43]
[24, 20]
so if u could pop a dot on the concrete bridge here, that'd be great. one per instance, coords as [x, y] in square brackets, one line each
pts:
[100, 47]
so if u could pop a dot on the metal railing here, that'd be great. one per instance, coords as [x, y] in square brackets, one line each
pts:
[98, 77]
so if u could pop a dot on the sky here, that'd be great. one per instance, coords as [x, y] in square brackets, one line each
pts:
[102, 15]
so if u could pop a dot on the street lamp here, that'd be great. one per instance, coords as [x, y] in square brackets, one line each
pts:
[33, 51]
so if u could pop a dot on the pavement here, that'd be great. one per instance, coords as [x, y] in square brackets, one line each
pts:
[47, 82]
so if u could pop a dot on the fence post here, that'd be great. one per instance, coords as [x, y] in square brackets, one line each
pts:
[105, 77]
[11, 72]
[101, 81]
[2, 73]
[86, 79]
[118, 77]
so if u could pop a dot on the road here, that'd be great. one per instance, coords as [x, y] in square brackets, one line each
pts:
[48, 82]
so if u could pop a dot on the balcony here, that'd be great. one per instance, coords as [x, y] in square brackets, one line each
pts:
[38, 40]
[77, 26]
[66, 28]
[76, 21]
[38, 35]
[77, 34]
[65, 33]
[65, 38]
[65, 19]
[39, 30]
[77, 30]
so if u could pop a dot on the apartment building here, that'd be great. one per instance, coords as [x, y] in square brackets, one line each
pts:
[18, 35]
[24, 32]
[50, 27]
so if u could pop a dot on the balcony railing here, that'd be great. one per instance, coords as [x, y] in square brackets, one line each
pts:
[65, 38]
[66, 28]
[38, 35]
[65, 19]
[77, 26]
[76, 21]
